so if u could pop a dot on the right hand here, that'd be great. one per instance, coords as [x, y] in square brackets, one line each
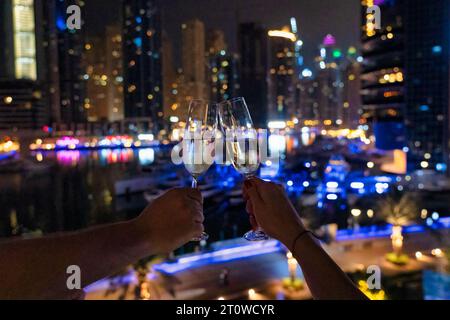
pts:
[172, 220]
[274, 213]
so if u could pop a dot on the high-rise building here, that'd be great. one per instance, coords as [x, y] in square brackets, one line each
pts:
[427, 85]
[70, 64]
[223, 76]
[308, 112]
[329, 78]
[170, 85]
[114, 73]
[282, 76]
[96, 80]
[253, 68]
[215, 42]
[50, 44]
[193, 58]
[382, 74]
[143, 92]
[104, 100]
[405, 79]
[223, 67]
[351, 95]
[22, 104]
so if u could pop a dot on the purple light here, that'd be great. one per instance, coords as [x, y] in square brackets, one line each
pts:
[329, 40]
[68, 157]
[67, 141]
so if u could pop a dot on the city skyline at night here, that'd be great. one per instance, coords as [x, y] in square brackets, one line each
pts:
[225, 149]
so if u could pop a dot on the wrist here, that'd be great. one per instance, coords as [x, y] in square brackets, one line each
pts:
[290, 240]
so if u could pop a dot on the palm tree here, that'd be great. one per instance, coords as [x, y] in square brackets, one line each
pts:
[399, 209]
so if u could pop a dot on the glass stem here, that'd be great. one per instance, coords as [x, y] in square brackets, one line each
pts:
[194, 182]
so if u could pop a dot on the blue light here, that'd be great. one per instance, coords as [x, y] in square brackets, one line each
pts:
[441, 167]
[437, 49]
[306, 184]
[332, 196]
[435, 216]
[138, 42]
[290, 183]
[219, 256]
[61, 24]
[424, 107]
[138, 20]
[306, 73]
[332, 185]
[356, 185]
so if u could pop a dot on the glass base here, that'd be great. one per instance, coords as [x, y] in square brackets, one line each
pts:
[256, 235]
[203, 236]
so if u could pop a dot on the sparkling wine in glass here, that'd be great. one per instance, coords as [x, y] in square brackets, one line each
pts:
[241, 141]
[198, 141]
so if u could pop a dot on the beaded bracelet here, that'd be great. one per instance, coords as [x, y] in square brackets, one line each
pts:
[301, 234]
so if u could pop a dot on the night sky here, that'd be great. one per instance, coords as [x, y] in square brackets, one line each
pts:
[315, 18]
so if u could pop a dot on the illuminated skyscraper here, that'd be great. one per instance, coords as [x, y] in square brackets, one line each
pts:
[427, 85]
[215, 42]
[114, 72]
[382, 74]
[351, 95]
[253, 68]
[143, 92]
[405, 79]
[223, 76]
[281, 76]
[329, 79]
[104, 100]
[308, 112]
[169, 77]
[69, 61]
[222, 68]
[193, 58]
[22, 104]
[96, 80]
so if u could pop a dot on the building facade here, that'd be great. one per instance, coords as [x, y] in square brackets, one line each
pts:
[22, 98]
[193, 59]
[382, 74]
[281, 77]
[405, 80]
[427, 86]
[143, 91]
[253, 69]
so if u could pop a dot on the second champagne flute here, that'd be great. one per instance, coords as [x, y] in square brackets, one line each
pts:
[241, 139]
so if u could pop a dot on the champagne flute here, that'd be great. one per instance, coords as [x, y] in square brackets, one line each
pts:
[198, 141]
[241, 139]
